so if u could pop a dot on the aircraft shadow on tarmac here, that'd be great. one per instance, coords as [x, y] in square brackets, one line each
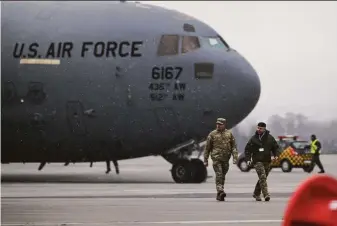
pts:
[102, 178]
[86, 179]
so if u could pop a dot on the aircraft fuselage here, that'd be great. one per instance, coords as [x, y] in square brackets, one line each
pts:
[83, 81]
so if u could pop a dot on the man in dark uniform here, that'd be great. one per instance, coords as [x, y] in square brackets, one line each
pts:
[315, 149]
[259, 148]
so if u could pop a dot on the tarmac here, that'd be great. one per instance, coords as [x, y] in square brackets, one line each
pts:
[142, 194]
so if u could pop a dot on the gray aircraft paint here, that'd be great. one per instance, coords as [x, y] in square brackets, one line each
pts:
[102, 104]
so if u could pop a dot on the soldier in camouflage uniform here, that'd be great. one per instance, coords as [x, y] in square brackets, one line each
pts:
[220, 145]
[259, 148]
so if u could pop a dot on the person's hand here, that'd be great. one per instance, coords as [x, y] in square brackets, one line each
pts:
[275, 158]
[206, 163]
[235, 161]
[248, 163]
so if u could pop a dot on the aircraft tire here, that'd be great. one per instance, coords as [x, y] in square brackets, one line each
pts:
[199, 170]
[181, 171]
[243, 166]
[286, 166]
[308, 169]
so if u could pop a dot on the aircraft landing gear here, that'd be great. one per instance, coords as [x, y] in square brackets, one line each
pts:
[185, 168]
[189, 171]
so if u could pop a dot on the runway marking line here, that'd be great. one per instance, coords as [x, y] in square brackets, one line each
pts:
[146, 222]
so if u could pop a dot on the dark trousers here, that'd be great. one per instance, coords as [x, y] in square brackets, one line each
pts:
[316, 160]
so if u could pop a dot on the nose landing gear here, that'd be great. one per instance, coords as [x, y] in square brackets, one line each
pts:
[189, 171]
[187, 168]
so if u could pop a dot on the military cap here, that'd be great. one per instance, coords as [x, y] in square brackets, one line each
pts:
[221, 121]
[262, 124]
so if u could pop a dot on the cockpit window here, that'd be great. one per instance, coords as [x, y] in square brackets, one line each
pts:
[169, 45]
[213, 42]
[189, 44]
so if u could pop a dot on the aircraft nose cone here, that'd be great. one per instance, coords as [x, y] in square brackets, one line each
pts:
[242, 89]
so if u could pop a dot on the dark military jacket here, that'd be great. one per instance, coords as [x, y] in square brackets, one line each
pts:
[259, 150]
[220, 145]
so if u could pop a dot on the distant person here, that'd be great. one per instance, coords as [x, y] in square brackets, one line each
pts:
[220, 145]
[259, 149]
[108, 166]
[116, 166]
[315, 149]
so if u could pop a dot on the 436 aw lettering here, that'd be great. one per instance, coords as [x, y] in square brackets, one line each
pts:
[158, 86]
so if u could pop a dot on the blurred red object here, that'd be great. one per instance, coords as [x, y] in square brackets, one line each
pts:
[314, 203]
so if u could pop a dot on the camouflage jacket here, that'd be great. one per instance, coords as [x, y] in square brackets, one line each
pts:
[221, 145]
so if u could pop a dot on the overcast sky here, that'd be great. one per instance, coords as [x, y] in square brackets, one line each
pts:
[291, 45]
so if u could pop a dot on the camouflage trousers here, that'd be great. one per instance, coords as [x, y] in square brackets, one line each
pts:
[221, 169]
[262, 170]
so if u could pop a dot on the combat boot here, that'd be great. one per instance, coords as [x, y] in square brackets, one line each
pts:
[221, 196]
[267, 198]
[218, 196]
[257, 197]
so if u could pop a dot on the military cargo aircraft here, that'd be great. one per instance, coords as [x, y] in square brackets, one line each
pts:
[108, 81]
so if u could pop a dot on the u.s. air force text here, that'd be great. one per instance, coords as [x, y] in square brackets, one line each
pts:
[70, 49]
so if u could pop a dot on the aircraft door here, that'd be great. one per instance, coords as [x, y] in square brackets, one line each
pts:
[32, 107]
